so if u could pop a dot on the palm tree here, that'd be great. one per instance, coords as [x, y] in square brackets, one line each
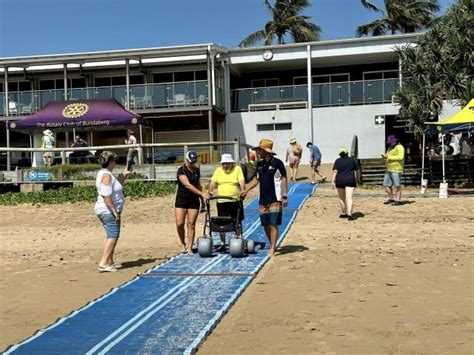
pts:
[438, 68]
[286, 20]
[403, 16]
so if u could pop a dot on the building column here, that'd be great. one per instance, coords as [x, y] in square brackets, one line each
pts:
[66, 96]
[127, 83]
[210, 94]
[310, 93]
[227, 97]
[7, 114]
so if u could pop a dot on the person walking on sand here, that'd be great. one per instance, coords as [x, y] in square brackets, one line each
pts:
[293, 157]
[344, 178]
[132, 152]
[394, 160]
[188, 196]
[47, 142]
[229, 180]
[109, 207]
[271, 175]
[315, 162]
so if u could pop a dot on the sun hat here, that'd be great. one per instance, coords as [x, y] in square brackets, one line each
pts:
[343, 150]
[227, 158]
[191, 156]
[392, 138]
[47, 132]
[293, 140]
[266, 145]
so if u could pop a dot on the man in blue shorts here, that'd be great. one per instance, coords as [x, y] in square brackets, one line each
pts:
[394, 160]
[271, 175]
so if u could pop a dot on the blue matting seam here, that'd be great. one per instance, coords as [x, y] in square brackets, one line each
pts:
[170, 308]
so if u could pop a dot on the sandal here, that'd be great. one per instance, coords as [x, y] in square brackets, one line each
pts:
[110, 268]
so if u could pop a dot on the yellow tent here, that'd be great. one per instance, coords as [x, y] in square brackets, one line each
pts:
[462, 121]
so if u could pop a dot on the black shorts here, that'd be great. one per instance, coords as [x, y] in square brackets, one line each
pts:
[343, 186]
[187, 203]
[230, 209]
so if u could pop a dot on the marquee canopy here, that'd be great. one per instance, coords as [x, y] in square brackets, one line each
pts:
[461, 122]
[80, 114]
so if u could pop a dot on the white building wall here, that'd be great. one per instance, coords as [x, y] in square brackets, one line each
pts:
[334, 128]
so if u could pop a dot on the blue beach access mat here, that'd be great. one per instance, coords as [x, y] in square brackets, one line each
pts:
[169, 309]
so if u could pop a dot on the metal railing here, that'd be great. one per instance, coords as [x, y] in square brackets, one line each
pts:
[327, 94]
[146, 151]
[142, 96]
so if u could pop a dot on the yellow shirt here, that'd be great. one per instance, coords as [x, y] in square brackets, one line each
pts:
[395, 159]
[228, 182]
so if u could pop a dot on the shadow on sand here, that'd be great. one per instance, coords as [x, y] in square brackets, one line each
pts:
[138, 262]
[288, 249]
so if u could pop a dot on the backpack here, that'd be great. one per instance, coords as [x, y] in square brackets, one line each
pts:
[249, 170]
[297, 150]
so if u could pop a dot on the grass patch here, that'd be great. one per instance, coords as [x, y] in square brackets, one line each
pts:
[132, 190]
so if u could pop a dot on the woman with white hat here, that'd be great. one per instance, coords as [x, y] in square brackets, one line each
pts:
[229, 180]
[293, 156]
[47, 142]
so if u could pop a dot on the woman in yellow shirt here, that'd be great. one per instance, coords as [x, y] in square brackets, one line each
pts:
[230, 182]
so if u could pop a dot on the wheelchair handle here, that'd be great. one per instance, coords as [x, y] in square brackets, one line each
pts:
[218, 197]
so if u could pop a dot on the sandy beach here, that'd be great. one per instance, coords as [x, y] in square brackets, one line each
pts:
[398, 280]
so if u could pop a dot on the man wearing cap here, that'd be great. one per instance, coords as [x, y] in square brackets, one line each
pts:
[271, 175]
[47, 142]
[229, 180]
[394, 161]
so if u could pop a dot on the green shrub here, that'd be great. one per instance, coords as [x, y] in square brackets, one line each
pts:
[133, 190]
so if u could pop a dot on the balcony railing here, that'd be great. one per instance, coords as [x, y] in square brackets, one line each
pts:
[330, 94]
[142, 97]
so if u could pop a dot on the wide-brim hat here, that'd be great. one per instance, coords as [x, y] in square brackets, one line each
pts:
[227, 158]
[47, 132]
[266, 145]
[292, 140]
[392, 138]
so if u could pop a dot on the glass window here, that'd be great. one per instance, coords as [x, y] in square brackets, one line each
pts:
[184, 76]
[265, 127]
[102, 81]
[24, 86]
[282, 126]
[300, 81]
[163, 78]
[321, 79]
[118, 80]
[46, 84]
[201, 75]
[373, 76]
[78, 83]
[136, 79]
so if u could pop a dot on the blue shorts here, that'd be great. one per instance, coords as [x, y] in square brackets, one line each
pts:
[271, 215]
[112, 228]
[392, 179]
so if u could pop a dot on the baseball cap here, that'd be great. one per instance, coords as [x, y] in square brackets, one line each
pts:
[191, 156]
[343, 150]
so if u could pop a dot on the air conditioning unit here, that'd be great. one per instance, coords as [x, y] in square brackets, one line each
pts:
[395, 100]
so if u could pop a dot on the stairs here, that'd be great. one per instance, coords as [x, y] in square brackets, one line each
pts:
[373, 171]
[457, 171]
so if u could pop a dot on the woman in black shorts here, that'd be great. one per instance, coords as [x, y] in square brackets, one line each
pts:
[344, 178]
[188, 198]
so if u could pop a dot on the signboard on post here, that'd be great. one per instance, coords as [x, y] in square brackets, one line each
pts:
[39, 175]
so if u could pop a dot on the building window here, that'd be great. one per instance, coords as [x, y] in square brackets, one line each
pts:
[274, 126]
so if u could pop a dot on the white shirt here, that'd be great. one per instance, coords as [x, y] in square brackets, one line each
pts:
[115, 190]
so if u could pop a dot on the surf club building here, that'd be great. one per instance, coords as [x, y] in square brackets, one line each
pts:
[325, 92]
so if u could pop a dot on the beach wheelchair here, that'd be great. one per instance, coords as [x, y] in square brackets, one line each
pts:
[237, 245]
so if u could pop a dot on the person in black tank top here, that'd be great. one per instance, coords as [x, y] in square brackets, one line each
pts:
[345, 177]
[188, 196]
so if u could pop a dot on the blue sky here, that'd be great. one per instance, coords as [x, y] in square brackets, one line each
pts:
[33, 27]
